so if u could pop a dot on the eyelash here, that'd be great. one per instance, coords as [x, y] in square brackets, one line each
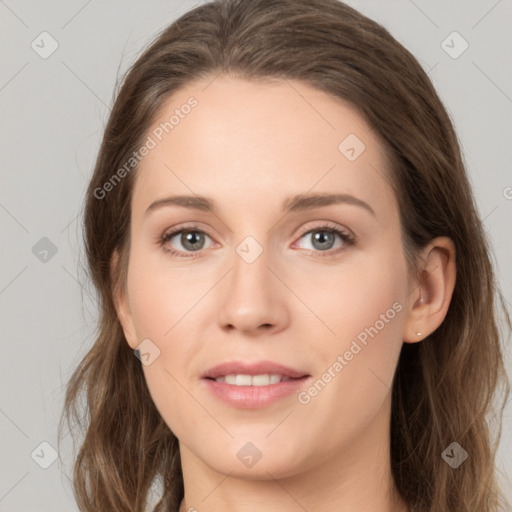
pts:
[347, 239]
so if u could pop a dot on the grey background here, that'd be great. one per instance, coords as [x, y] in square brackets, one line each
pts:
[53, 112]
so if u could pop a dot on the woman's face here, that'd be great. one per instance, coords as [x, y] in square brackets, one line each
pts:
[267, 279]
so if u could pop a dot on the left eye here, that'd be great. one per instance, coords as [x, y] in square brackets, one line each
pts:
[323, 239]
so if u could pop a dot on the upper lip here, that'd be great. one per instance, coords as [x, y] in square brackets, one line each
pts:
[251, 368]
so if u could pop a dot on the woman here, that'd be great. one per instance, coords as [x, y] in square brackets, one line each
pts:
[282, 232]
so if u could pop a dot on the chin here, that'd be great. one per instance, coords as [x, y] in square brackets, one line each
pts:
[255, 460]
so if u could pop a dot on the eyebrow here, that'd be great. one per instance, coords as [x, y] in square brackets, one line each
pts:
[296, 203]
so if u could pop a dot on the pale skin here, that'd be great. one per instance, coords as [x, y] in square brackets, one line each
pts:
[248, 146]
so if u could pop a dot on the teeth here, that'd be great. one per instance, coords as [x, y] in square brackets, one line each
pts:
[252, 380]
[243, 380]
[264, 380]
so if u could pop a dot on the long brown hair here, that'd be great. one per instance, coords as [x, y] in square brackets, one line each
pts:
[444, 387]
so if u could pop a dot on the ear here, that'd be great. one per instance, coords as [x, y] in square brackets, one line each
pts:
[122, 305]
[431, 295]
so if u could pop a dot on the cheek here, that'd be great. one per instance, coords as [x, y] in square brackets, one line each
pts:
[358, 359]
[161, 308]
[160, 297]
[171, 398]
[358, 302]
[165, 307]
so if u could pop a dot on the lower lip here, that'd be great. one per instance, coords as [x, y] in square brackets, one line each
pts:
[254, 397]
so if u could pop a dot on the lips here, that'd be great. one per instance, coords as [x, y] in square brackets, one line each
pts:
[252, 369]
[253, 385]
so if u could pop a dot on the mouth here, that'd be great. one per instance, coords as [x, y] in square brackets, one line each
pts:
[253, 385]
[263, 379]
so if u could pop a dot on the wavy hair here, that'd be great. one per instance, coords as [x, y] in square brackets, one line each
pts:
[444, 387]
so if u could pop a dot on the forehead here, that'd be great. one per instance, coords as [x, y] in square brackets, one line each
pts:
[250, 143]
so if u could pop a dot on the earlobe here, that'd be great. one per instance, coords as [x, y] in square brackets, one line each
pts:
[122, 305]
[431, 297]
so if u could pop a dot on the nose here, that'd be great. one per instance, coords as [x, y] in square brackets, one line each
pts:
[253, 298]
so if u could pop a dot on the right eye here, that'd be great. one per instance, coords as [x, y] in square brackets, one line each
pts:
[191, 239]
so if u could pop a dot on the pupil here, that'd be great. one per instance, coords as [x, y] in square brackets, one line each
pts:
[320, 237]
[190, 239]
